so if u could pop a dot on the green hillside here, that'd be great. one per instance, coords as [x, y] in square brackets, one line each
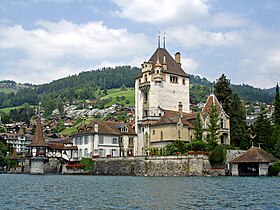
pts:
[117, 96]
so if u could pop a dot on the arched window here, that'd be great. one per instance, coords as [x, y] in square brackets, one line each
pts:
[161, 136]
[179, 134]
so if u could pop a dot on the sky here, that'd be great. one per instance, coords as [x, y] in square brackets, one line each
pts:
[45, 40]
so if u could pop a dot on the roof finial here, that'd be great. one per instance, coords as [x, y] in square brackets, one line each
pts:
[159, 39]
[252, 144]
[164, 40]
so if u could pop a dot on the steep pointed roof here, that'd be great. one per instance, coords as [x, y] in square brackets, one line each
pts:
[254, 155]
[172, 67]
[38, 139]
[211, 100]
[14, 155]
[20, 131]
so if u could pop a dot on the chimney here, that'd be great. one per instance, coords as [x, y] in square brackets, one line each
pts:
[96, 128]
[180, 109]
[178, 58]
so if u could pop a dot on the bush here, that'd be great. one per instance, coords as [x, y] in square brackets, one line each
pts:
[176, 146]
[198, 146]
[89, 164]
[217, 155]
[274, 169]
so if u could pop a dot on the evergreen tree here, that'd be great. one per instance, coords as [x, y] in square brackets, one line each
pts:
[262, 132]
[277, 106]
[239, 136]
[233, 107]
[223, 91]
[213, 127]
[198, 130]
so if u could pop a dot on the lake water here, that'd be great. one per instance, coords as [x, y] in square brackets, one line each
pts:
[120, 192]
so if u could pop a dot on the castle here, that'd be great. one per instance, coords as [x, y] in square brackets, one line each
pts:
[162, 104]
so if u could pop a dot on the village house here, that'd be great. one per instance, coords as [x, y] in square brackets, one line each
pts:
[104, 139]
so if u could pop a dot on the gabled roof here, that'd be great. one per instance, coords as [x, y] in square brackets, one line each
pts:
[171, 117]
[254, 155]
[14, 155]
[105, 127]
[172, 66]
[38, 139]
[207, 109]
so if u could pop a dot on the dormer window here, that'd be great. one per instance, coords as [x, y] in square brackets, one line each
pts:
[124, 129]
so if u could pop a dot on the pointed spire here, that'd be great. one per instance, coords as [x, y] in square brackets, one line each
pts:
[159, 39]
[164, 40]
[38, 139]
[14, 155]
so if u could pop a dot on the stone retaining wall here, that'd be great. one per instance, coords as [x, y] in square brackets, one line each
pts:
[181, 165]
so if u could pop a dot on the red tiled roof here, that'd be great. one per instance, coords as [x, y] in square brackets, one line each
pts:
[171, 117]
[207, 109]
[254, 155]
[62, 147]
[172, 66]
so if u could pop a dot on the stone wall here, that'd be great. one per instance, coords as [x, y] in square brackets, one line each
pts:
[181, 165]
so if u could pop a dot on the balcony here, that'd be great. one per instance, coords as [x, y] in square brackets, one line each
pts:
[145, 87]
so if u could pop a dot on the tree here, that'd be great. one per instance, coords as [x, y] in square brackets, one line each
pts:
[277, 106]
[262, 133]
[234, 107]
[198, 130]
[276, 140]
[213, 127]
[239, 136]
[223, 91]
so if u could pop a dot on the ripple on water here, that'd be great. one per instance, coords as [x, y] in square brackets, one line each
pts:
[120, 192]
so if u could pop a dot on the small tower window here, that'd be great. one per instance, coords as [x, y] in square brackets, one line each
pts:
[222, 123]
[161, 136]
[183, 82]
[146, 78]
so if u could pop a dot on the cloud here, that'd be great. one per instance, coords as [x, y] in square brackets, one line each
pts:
[162, 12]
[56, 49]
[190, 36]
[227, 20]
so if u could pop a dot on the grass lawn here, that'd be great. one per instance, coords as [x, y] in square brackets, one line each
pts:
[129, 94]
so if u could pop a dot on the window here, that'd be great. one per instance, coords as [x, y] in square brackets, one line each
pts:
[86, 140]
[85, 152]
[124, 129]
[101, 140]
[183, 81]
[80, 140]
[222, 123]
[120, 140]
[145, 97]
[146, 78]
[113, 152]
[154, 132]
[161, 135]
[101, 152]
[115, 140]
[130, 141]
[80, 153]
[174, 79]
[179, 134]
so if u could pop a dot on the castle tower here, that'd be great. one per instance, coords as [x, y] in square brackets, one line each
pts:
[161, 84]
[38, 148]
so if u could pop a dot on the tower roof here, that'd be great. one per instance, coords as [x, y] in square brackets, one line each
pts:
[38, 139]
[14, 155]
[211, 100]
[172, 66]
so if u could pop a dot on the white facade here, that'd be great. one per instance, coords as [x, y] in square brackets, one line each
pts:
[18, 142]
[162, 84]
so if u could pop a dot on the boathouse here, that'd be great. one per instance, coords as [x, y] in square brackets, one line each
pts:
[254, 162]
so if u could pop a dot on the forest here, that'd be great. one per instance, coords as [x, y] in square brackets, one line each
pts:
[86, 84]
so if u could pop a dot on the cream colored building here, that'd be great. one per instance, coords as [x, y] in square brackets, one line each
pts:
[224, 121]
[161, 85]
